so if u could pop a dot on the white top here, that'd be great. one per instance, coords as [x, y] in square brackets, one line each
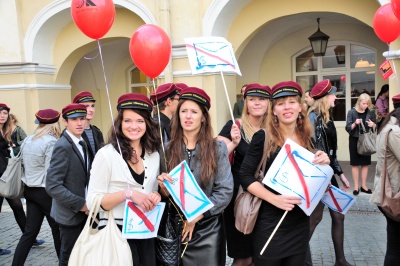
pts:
[110, 173]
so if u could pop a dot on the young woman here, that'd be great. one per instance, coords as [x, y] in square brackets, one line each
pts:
[38, 149]
[5, 147]
[17, 136]
[256, 99]
[390, 149]
[325, 138]
[286, 119]
[192, 140]
[135, 165]
[361, 113]
[382, 103]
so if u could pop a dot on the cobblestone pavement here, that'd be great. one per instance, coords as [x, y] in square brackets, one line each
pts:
[365, 237]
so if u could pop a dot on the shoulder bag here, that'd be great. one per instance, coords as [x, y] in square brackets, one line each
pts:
[246, 204]
[168, 242]
[11, 186]
[389, 204]
[366, 144]
[100, 247]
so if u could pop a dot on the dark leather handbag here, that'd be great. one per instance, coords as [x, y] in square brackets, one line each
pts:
[168, 242]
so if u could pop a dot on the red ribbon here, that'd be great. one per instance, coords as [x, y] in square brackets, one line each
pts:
[142, 216]
[301, 177]
[334, 200]
[182, 186]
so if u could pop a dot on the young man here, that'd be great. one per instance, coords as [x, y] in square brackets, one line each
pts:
[238, 107]
[92, 134]
[167, 98]
[67, 179]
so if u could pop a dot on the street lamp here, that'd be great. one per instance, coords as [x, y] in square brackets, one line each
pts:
[319, 41]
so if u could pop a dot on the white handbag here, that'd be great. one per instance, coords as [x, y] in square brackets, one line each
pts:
[101, 247]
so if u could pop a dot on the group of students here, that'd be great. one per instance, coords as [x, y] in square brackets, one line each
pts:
[77, 167]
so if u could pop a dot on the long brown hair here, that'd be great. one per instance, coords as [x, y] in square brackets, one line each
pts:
[7, 128]
[150, 141]
[204, 139]
[275, 137]
[395, 113]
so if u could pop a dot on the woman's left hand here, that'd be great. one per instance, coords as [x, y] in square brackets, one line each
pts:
[370, 123]
[155, 198]
[189, 227]
[345, 182]
[321, 158]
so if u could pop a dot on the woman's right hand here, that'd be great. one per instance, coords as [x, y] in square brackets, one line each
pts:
[358, 121]
[235, 134]
[160, 181]
[286, 203]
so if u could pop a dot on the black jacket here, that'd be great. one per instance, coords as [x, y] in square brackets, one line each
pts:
[98, 140]
[326, 140]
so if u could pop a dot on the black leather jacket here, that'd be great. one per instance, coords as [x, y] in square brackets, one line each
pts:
[326, 140]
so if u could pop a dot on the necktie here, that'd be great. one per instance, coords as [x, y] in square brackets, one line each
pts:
[84, 148]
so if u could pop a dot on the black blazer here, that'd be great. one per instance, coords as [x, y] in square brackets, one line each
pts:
[66, 182]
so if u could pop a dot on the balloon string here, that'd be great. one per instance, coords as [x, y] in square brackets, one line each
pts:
[109, 105]
[394, 68]
[91, 58]
[159, 125]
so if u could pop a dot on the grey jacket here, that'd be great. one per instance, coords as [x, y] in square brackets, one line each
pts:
[351, 118]
[36, 157]
[66, 182]
[392, 159]
[220, 188]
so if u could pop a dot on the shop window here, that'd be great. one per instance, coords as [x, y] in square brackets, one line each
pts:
[350, 67]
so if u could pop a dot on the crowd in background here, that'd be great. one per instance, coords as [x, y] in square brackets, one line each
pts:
[68, 169]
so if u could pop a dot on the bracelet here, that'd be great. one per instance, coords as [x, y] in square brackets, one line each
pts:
[126, 194]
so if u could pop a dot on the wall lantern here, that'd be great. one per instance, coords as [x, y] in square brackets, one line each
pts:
[340, 54]
[319, 41]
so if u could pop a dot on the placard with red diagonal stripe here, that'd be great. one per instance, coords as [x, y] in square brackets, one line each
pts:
[338, 200]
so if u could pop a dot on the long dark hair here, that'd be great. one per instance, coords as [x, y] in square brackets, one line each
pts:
[395, 113]
[204, 139]
[385, 88]
[150, 141]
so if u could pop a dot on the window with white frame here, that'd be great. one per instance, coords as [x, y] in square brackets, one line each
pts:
[139, 82]
[349, 66]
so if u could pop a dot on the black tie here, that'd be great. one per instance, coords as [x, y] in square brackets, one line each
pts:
[84, 148]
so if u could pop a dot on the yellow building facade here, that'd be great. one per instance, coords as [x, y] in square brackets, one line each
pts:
[45, 59]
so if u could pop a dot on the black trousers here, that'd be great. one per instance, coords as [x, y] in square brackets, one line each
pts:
[18, 211]
[38, 205]
[68, 237]
[392, 256]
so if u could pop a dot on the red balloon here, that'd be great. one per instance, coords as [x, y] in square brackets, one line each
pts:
[93, 17]
[150, 49]
[386, 25]
[396, 8]
[343, 78]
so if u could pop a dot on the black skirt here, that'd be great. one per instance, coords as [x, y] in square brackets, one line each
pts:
[356, 158]
[207, 247]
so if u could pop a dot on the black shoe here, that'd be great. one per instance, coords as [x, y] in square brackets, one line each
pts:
[366, 191]
[355, 192]
[38, 242]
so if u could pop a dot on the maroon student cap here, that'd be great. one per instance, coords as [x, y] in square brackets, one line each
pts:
[163, 92]
[181, 86]
[286, 88]
[47, 116]
[396, 101]
[197, 95]
[73, 110]
[256, 89]
[4, 106]
[322, 88]
[83, 96]
[134, 101]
